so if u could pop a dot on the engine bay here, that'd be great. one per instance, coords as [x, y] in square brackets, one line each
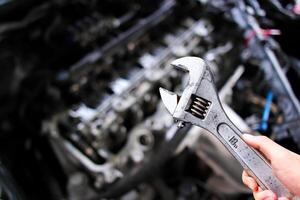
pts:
[81, 115]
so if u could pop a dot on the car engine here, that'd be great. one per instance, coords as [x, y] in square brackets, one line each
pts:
[81, 116]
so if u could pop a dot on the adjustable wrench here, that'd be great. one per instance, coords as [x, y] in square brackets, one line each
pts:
[199, 105]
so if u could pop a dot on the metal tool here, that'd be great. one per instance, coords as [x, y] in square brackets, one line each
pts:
[199, 104]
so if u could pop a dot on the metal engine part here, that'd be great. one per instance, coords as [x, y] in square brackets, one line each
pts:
[81, 116]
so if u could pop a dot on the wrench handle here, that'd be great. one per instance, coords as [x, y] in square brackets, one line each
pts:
[251, 160]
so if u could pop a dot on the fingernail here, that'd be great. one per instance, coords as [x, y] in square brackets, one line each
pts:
[248, 136]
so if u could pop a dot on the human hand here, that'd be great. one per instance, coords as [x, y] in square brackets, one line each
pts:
[285, 165]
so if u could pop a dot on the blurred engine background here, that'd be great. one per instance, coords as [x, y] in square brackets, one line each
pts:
[80, 113]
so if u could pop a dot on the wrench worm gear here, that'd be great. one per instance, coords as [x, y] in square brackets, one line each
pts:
[199, 106]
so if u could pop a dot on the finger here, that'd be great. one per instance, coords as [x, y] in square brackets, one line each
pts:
[249, 181]
[264, 195]
[264, 145]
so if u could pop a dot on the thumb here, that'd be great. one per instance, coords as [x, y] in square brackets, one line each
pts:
[265, 145]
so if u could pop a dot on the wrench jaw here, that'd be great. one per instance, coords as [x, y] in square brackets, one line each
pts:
[190, 107]
[170, 99]
[194, 66]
